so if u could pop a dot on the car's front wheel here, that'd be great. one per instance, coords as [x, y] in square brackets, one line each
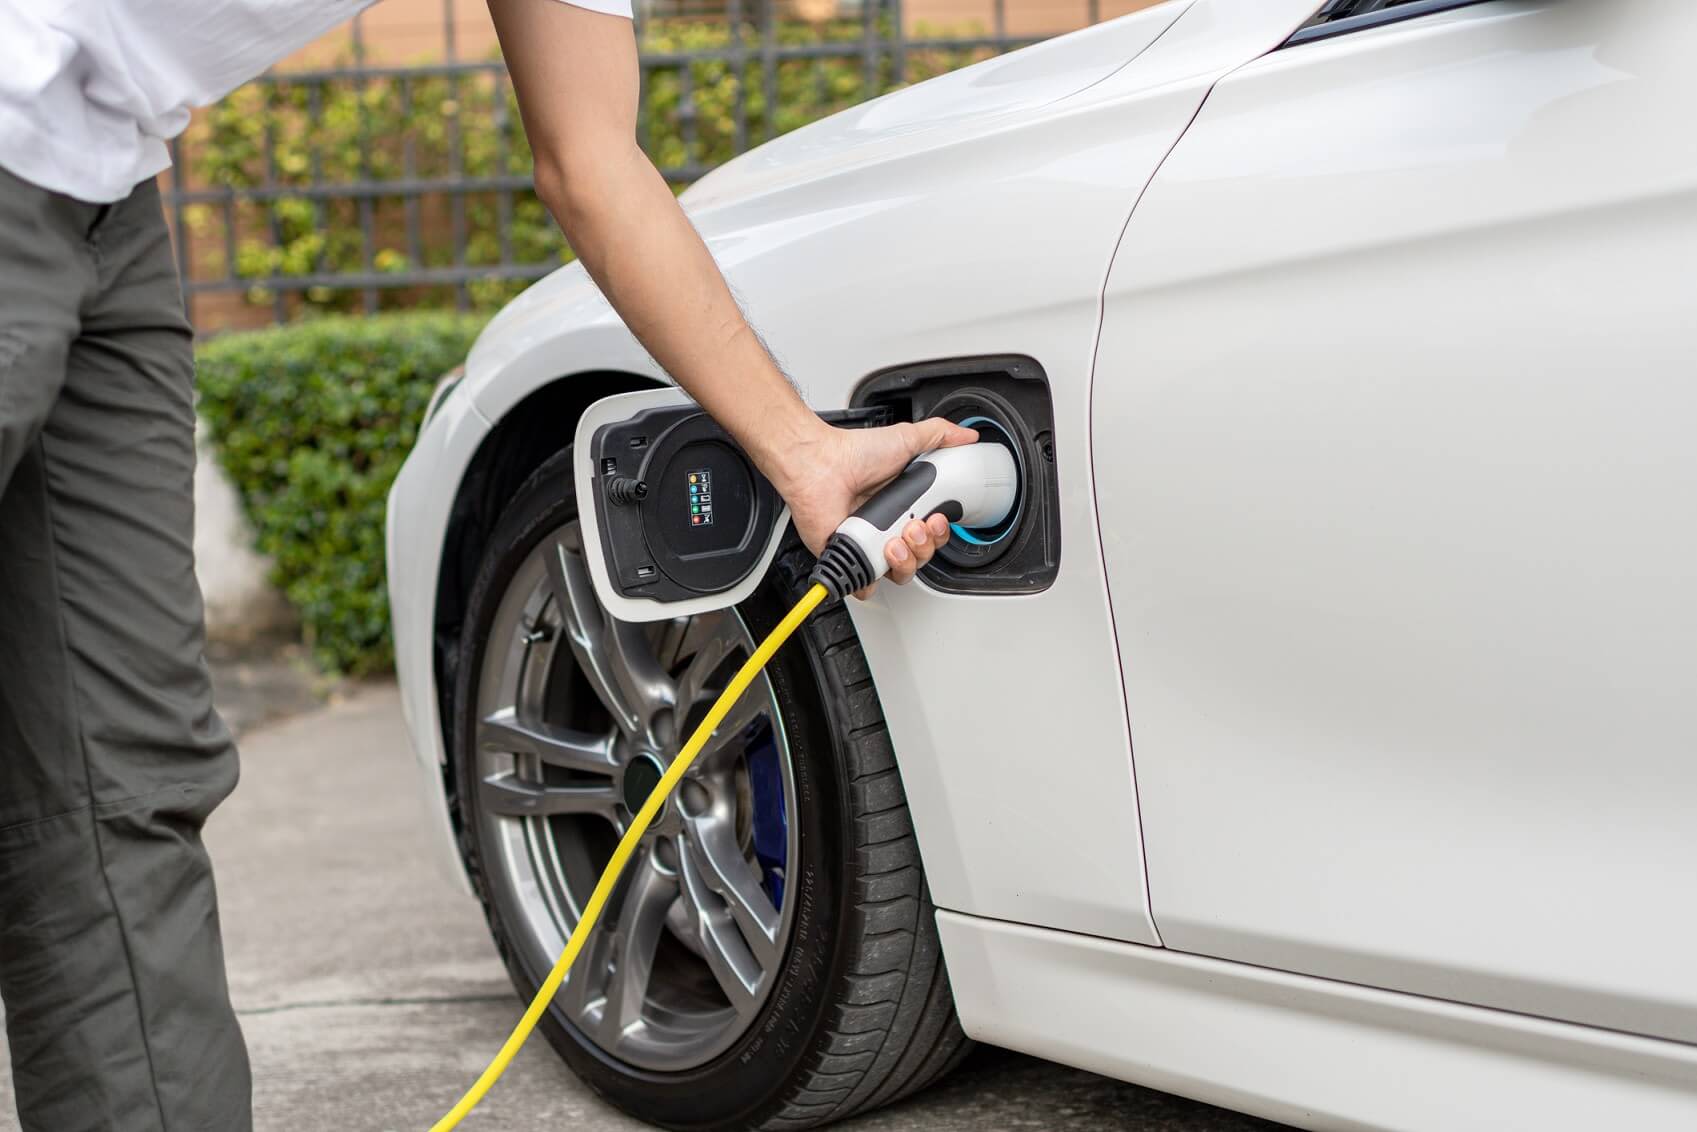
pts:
[770, 959]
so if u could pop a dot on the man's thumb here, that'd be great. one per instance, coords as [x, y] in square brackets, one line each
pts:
[936, 432]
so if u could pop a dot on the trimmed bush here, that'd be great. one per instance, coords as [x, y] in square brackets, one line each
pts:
[312, 421]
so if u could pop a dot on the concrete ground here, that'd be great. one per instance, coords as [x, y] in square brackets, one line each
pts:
[371, 995]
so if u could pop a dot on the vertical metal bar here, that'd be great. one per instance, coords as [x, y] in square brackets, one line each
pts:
[315, 131]
[179, 173]
[279, 305]
[1001, 24]
[503, 197]
[769, 63]
[686, 110]
[1094, 11]
[869, 48]
[230, 237]
[409, 171]
[456, 154]
[367, 207]
[821, 84]
[898, 44]
[739, 68]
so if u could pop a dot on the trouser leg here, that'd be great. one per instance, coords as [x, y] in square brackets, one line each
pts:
[111, 756]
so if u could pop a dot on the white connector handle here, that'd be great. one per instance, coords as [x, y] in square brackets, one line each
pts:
[973, 485]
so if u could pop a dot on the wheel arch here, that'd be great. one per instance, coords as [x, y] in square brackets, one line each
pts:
[520, 442]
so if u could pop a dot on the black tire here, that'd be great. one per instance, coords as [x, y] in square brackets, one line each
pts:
[861, 1013]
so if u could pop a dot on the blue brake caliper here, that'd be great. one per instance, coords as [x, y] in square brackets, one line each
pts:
[771, 823]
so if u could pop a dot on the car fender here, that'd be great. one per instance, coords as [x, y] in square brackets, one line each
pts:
[990, 233]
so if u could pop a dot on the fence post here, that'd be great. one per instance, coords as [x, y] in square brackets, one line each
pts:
[869, 47]
[739, 68]
[367, 210]
[898, 41]
[769, 63]
[279, 303]
[456, 154]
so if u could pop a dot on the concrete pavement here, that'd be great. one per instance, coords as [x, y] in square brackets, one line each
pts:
[371, 995]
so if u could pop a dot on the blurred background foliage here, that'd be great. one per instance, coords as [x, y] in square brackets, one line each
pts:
[284, 134]
[312, 422]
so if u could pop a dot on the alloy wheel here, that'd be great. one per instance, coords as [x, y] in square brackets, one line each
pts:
[577, 716]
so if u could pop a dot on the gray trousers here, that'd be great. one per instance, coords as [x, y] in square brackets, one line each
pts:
[111, 757]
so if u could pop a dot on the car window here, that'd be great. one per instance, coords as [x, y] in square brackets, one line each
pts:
[1339, 17]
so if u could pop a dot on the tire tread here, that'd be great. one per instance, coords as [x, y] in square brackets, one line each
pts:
[895, 1008]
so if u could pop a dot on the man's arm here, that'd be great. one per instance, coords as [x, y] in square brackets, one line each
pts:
[576, 75]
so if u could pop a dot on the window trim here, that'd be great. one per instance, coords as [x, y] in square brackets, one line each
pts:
[1310, 32]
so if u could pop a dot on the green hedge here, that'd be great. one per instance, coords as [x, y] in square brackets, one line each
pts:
[312, 422]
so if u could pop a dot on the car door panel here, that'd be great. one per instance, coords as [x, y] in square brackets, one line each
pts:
[1391, 425]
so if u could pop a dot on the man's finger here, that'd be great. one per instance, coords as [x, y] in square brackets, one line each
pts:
[900, 559]
[918, 538]
[935, 432]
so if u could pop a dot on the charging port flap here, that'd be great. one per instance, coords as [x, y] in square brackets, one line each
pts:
[676, 519]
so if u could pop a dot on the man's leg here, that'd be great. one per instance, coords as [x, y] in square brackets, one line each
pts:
[111, 756]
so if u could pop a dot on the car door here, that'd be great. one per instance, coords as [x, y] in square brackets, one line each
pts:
[1392, 432]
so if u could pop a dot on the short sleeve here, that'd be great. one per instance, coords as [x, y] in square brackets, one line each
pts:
[608, 7]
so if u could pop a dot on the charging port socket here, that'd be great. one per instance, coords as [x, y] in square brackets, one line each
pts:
[1007, 400]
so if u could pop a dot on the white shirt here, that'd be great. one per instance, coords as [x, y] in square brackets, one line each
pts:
[91, 90]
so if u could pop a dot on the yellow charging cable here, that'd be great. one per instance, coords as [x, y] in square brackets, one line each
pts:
[627, 846]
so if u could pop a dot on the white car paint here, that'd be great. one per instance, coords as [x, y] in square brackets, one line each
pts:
[1407, 616]
[1345, 838]
[419, 508]
[1316, 1053]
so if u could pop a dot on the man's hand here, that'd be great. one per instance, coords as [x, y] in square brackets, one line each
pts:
[825, 477]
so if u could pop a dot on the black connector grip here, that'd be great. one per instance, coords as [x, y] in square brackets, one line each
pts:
[626, 490]
[842, 569]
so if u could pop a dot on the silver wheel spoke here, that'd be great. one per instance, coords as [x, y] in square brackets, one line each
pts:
[553, 745]
[587, 976]
[720, 643]
[727, 953]
[511, 796]
[614, 655]
[727, 738]
[642, 917]
[723, 642]
[737, 882]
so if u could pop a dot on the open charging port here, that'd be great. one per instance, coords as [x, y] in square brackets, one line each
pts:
[1007, 400]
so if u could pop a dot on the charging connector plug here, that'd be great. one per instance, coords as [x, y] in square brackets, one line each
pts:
[974, 485]
[843, 569]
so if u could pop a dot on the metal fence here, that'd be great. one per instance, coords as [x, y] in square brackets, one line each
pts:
[364, 186]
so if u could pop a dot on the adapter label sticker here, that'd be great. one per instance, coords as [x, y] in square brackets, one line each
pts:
[701, 498]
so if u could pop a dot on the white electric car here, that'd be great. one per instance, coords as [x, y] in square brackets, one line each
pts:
[1320, 737]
